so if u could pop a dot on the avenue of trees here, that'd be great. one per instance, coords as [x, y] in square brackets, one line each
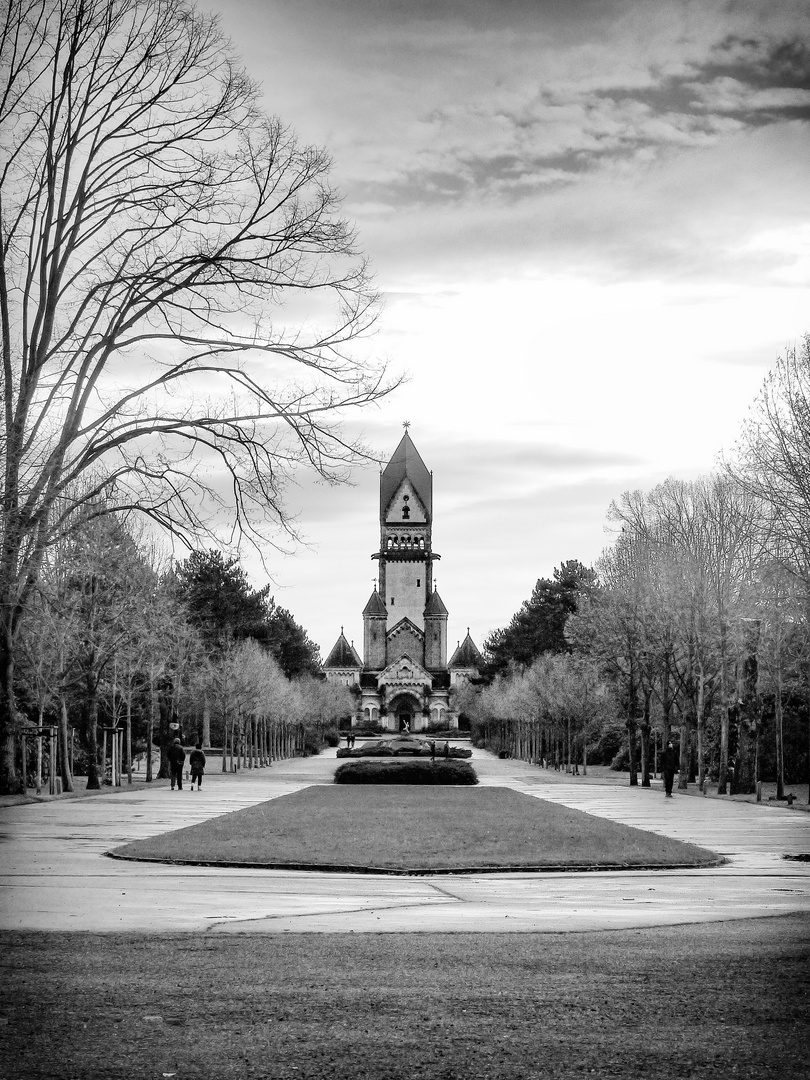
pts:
[179, 300]
[113, 640]
[695, 624]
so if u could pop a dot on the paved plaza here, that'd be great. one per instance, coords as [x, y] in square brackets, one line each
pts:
[55, 875]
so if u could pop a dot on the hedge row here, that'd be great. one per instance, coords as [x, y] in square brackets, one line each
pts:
[406, 772]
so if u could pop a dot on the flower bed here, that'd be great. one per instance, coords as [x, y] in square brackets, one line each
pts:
[403, 746]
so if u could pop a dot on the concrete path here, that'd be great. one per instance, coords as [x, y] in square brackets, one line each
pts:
[54, 876]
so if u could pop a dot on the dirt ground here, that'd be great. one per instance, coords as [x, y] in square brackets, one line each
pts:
[710, 1000]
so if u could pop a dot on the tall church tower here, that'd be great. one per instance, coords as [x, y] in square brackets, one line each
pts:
[404, 680]
[406, 549]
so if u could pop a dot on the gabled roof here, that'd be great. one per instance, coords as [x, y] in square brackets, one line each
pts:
[406, 462]
[404, 672]
[343, 655]
[435, 606]
[405, 624]
[466, 655]
[375, 606]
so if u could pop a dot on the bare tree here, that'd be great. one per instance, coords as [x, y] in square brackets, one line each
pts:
[716, 531]
[664, 624]
[178, 292]
[772, 461]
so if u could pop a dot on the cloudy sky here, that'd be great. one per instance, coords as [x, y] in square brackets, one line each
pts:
[590, 221]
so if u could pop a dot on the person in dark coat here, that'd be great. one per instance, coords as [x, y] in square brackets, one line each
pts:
[177, 757]
[669, 766]
[196, 761]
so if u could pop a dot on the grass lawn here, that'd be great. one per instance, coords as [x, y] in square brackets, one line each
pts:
[398, 828]
[700, 1002]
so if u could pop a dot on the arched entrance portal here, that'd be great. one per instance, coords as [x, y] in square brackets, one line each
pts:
[404, 707]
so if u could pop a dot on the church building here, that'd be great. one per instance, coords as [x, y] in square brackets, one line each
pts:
[404, 677]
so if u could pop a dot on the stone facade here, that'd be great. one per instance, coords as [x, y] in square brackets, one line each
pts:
[404, 677]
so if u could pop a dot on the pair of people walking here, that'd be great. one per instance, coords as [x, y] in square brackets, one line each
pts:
[177, 759]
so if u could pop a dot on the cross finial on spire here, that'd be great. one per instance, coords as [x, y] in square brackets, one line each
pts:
[406, 424]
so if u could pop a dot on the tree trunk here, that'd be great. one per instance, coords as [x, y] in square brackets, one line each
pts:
[64, 748]
[693, 754]
[38, 776]
[11, 782]
[780, 749]
[150, 729]
[93, 781]
[645, 754]
[666, 706]
[742, 781]
[206, 721]
[129, 739]
[701, 725]
[165, 735]
[683, 761]
[645, 740]
[748, 716]
[568, 755]
[722, 776]
[632, 728]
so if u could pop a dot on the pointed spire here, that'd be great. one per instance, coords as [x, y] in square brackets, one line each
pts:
[375, 605]
[343, 655]
[435, 606]
[406, 462]
[466, 655]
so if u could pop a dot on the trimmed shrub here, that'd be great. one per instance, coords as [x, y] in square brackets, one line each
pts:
[402, 771]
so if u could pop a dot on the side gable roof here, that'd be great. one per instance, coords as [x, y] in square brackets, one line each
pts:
[406, 462]
[343, 655]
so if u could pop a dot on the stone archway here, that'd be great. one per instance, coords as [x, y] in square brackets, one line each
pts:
[404, 707]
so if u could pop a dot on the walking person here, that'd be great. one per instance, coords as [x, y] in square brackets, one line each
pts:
[196, 761]
[177, 757]
[669, 766]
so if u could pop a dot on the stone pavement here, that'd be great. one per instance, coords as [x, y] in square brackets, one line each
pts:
[54, 876]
